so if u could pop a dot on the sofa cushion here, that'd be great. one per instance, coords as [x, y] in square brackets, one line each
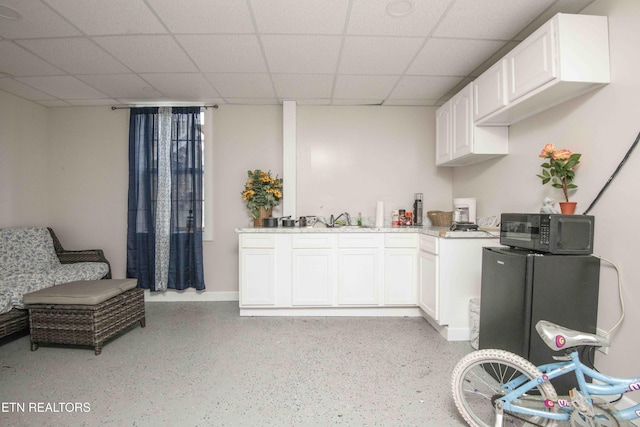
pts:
[26, 250]
[65, 273]
[15, 286]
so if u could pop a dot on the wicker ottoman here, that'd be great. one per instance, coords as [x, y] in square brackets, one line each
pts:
[84, 312]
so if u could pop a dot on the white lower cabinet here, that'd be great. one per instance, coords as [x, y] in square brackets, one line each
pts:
[450, 275]
[257, 269]
[401, 269]
[359, 276]
[313, 280]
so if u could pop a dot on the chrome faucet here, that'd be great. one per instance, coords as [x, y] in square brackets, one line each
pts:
[333, 221]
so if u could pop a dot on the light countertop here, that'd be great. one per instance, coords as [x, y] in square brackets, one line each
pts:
[430, 231]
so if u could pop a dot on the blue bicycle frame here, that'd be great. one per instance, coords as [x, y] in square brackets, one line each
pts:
[611, 386]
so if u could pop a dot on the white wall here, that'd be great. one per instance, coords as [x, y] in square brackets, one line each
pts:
[601, 125]
[351, 157]
[23, 162]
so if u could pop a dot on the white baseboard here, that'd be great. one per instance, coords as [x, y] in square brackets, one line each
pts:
[189, 295]
[448, 332]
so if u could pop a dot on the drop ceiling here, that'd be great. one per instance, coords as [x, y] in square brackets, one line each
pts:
[316, 52]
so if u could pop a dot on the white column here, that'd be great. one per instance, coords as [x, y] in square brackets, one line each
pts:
[289, 158]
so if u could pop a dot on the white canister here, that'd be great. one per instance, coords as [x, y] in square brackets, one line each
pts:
[462, 206]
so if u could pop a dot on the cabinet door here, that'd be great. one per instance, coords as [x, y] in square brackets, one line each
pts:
[359, 276]
[313, 277]
[429, 282]
[532, 63]
[489, 91]
[400, 276]
[443, 134]
[257, 282]
[462, 122]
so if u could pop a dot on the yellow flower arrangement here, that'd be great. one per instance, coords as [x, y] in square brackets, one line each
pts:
[261, 189]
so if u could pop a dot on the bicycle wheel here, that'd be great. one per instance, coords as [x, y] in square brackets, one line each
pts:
[477, 381]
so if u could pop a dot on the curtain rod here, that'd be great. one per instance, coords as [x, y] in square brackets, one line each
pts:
[125, 107]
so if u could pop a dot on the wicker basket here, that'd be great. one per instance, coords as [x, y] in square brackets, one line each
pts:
[264, 213]
[440, 218]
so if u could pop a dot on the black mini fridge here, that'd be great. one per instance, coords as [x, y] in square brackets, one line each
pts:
[521, 287]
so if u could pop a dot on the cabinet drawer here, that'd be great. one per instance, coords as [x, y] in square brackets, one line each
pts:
[312, 241]
[257, 240]
[359, 240]
[428, 244]
[401, 240]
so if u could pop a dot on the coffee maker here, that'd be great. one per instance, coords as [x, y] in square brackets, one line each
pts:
[464, 214]
[417, 209]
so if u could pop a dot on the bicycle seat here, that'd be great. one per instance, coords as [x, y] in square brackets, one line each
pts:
[560, 338]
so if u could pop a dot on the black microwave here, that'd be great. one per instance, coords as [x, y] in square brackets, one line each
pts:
[551, 233]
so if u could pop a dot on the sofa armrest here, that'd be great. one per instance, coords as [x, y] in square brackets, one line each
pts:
[70, 257]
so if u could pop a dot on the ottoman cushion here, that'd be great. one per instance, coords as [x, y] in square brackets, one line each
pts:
[82, 292]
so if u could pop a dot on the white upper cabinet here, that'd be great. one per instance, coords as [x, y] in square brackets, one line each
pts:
[489, 91]
[459, 141]
[566, 57]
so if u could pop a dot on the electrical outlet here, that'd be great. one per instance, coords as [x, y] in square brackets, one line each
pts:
[601, 333]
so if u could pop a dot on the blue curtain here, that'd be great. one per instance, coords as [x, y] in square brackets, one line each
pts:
[185, 261]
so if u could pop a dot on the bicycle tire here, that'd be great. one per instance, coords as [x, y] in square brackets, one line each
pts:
[475, 384]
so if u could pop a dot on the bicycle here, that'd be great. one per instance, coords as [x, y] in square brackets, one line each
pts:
[496, 387]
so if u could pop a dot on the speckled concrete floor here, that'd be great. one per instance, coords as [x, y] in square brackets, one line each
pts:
[200, 364]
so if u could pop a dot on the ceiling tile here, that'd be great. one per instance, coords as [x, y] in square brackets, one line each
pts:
[252, 101]
[74, 55]
[99, 17]
[372, 87]
[337, 101]
[64, 87]
[489, 19]
[378, 55]
[302, 54]
[23, 63]
[303, 86]
[300, 16]
[54, 103]
[144, 54]
[242, 85]
[370, 17]
[452, 57]
[219, 53]
[91, 102]
[37, 20]
[423, 87]
[204, 16]
[22, 90]
[121, 85]
[181, 85]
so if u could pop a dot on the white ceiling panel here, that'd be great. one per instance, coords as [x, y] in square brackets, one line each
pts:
[144, 54]
[37, 20]
[181, 85]
[100, 17]
[370, 17]
[489, 19]
[303, 86]
[22, 90]
[423, 87]
[242, 85]
[378, 55]
[74, 55]
[64, 87]
[316, 52]
[224, 53]
[204, 16]
[302, 54]
[300, 16]
[373, 87]
[452, 57]
[121, 85]
[22, 62]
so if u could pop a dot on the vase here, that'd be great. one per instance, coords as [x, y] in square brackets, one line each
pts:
[568, 207]
[263, 213]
